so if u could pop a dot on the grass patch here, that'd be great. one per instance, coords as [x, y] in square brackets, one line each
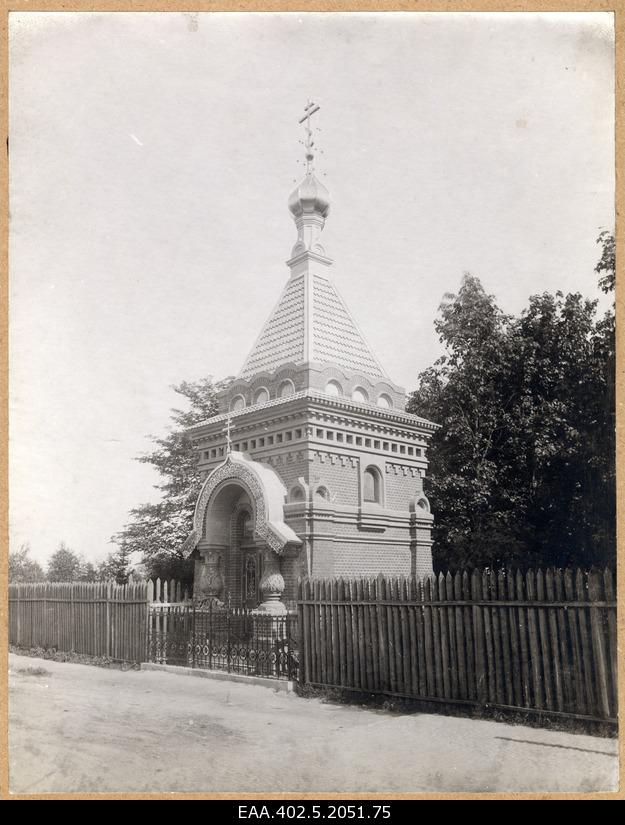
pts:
[406, 706]
[33, 671]
[55, 655]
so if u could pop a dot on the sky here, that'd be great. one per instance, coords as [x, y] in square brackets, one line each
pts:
[151, 159]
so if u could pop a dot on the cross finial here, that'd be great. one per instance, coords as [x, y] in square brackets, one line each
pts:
[309, 110]
[228, 430]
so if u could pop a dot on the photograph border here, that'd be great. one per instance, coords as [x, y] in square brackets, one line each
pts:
[617, 7]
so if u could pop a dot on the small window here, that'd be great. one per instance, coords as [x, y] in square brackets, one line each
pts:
[376, 445]
[323, 493]
[319, 433]
[289, 436]
[261, 442]
[385, 401]
[410, 450]
[385, 445]
[237, 403]
[358, 441]
[339, 437]
[246, 525]
[330, 435]
[333, 388]
[297, 494]
[279, 438]
[261, 396]
[349, 439]
[372, 485]
[367, 442]
[286, 388]
[298, 433]
[360, 395]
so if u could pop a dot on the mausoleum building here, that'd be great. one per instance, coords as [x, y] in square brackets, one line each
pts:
[312, 467]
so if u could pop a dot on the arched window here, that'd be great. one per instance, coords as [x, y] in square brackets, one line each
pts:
[333, 388]
[286, 388]
[322, 493]
[360, 395]
[261, 396]
[297, 494]
[245, 526]
[385, 401]
[372, 486]
[250, 584]
[237, 403]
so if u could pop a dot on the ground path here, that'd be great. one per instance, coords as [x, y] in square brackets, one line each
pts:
[81, 728]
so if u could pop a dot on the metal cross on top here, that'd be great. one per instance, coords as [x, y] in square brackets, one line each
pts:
[227, 430]
[309, 111]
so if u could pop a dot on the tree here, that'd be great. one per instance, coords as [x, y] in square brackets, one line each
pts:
[22, 568]
[87, 571]
[116, 566]
[522, 469]
[64, 565]
[157, 530]
[606, 268]
[468, 393]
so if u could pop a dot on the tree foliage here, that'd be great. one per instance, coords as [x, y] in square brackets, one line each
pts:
[606, 268]
[65, 565]
[22, 568]
[157, 530]
[116, 566]
[522, 469]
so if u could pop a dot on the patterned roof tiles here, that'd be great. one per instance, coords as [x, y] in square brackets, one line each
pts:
[334, 336]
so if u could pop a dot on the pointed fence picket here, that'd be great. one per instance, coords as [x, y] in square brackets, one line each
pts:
[543, 640]
[168, 592]
[91, 618]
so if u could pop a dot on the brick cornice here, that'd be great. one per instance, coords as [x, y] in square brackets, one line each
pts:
[351, 410]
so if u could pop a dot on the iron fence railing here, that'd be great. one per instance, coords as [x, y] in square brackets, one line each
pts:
[235, 640]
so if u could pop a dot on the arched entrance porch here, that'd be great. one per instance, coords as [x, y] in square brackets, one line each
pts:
[240, 535]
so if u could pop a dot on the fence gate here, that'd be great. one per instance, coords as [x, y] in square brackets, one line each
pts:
[235, 640]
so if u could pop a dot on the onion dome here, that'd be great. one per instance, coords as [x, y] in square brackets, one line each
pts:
[309, 198]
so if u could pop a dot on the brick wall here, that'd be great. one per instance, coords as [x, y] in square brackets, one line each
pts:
[400, 490]
[341, 477]
[290, 470]
[292, 568]
[354, 559]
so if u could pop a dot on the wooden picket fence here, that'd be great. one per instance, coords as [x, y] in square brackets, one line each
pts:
[96, 619]
[167, 592]
[541, 641]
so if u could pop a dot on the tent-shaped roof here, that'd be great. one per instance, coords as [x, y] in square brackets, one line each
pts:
[311, 324]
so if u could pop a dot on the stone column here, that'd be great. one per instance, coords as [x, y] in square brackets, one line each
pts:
[271, 585]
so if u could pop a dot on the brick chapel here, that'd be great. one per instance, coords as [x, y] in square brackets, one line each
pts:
[312, 467]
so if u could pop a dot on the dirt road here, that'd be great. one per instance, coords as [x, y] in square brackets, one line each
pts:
[80, 728]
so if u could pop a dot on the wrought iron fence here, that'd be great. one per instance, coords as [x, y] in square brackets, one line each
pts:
[235, 640]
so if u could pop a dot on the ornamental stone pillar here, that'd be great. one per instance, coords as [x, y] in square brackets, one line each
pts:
[271, 585]
[209, 578]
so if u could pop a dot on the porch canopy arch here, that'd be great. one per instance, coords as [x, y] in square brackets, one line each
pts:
[267, 495]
